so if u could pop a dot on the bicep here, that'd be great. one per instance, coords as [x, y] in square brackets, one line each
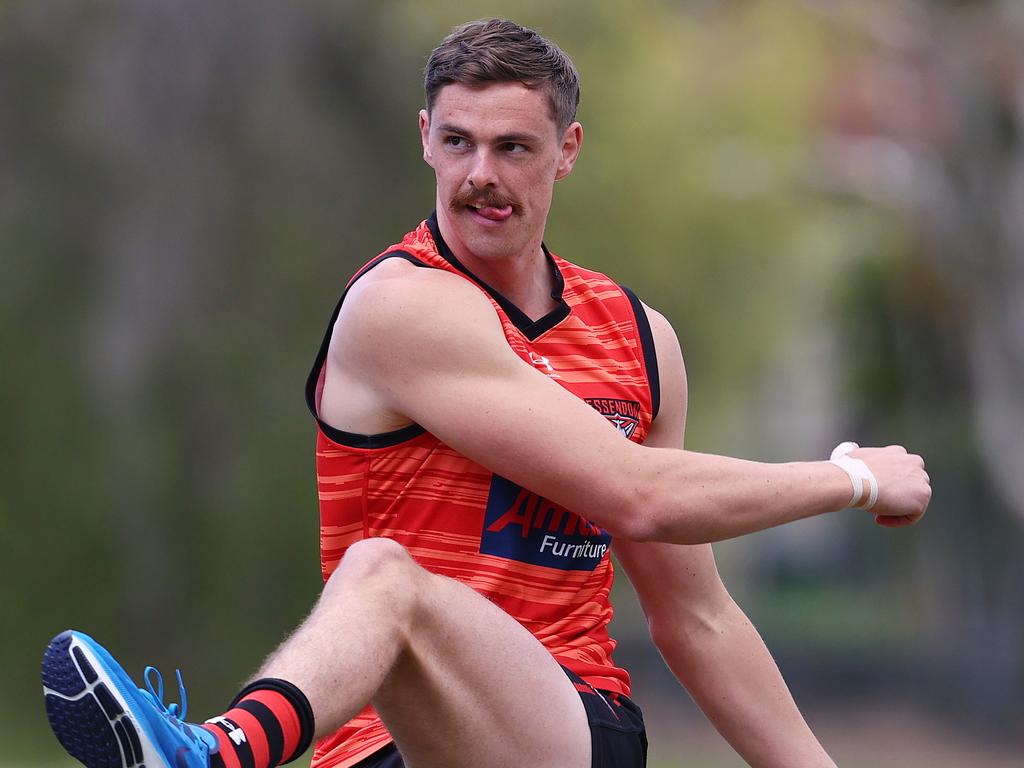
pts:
[434, 351]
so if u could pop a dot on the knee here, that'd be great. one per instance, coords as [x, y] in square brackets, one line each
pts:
[378, 564]
[376, 554]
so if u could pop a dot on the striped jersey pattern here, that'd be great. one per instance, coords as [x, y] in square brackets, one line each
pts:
[547, 567]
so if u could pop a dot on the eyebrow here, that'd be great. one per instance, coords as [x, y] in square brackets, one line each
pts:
[505, 138]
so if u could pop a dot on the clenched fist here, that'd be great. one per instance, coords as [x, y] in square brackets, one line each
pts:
[904, 488]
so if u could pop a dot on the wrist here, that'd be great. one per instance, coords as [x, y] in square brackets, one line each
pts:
[865, 486]
[828, 487]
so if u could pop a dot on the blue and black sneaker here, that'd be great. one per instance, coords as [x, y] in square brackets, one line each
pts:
[102, 719]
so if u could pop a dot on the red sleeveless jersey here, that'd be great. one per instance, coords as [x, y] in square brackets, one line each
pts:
[547, 567]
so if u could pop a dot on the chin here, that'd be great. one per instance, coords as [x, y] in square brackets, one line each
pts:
[483, 243]
[497, 246]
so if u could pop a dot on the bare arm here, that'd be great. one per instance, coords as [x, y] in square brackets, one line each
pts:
[716, 652]
[706, 639]
[428, 347]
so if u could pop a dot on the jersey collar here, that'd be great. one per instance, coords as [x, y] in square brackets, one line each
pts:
[531, 329]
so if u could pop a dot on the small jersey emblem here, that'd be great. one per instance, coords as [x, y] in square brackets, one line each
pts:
[543, 364]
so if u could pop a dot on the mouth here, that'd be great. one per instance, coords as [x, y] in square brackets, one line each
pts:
[490, 214]
[487, 207]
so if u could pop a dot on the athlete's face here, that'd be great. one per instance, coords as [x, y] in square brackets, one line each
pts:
[497, 153]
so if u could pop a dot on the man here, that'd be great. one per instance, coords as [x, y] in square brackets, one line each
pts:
[481, 407]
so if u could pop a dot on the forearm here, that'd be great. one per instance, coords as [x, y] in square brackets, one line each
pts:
[690, 497]
[729, 672]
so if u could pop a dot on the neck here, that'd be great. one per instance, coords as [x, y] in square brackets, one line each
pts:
[523, 277]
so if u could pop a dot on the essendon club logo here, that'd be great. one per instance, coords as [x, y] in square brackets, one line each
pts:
[623, 414]
[522, 526]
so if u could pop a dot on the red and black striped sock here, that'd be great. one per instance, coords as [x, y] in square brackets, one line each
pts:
[269, 723]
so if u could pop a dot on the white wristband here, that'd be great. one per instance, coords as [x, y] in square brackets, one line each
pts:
[865, 487]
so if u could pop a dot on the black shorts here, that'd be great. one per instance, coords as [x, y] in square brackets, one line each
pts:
[617, 732]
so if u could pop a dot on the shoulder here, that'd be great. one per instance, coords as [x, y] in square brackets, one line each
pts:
[588, 283]
[397, 290]
[399, 311]
[584, 273]
[659, 323]
[666, 342]
[669, 425]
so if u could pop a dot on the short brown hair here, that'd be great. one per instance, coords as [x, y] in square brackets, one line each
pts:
[501, 51]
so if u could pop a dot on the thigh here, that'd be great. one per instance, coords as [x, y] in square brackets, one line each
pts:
[474, 688]
[617, 733]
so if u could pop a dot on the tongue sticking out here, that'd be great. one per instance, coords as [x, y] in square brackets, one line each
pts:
[495, 214]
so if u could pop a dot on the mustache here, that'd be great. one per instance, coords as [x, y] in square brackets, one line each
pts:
[482, 198]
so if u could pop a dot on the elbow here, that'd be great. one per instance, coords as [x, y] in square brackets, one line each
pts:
[638, 525]
[638, 518]
[696, 626]
[676, 641]
[654, 517]
[666, 637]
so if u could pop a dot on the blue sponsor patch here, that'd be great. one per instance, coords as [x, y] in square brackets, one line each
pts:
[522, 526]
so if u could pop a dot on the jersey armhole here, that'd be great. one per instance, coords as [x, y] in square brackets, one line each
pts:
[643, 329]
[315, 380]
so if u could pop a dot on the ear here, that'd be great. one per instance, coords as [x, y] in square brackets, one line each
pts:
[572, 140]
[425, 137]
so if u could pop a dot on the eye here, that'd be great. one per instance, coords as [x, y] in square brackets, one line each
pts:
[456, 142]
[514, 149]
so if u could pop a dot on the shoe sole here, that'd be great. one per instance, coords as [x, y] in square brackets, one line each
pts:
[87, 710]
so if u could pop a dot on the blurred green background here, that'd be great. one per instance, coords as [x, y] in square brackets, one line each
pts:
[826, 199]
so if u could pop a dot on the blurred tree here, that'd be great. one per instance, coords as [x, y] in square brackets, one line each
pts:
[173, 174]
[926, 121]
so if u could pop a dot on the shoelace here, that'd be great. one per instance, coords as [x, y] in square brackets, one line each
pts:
[157, 696]
[201, 740]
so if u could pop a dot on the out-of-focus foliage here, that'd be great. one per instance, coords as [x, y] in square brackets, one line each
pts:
[826, 199]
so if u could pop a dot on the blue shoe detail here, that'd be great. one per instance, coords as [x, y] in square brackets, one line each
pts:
[103, 720]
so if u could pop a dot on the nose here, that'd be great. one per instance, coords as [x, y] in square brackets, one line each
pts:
[483, 174]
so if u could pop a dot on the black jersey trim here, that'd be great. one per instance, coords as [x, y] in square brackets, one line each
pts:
[643, 327]
[531, 329]
[355, 439]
